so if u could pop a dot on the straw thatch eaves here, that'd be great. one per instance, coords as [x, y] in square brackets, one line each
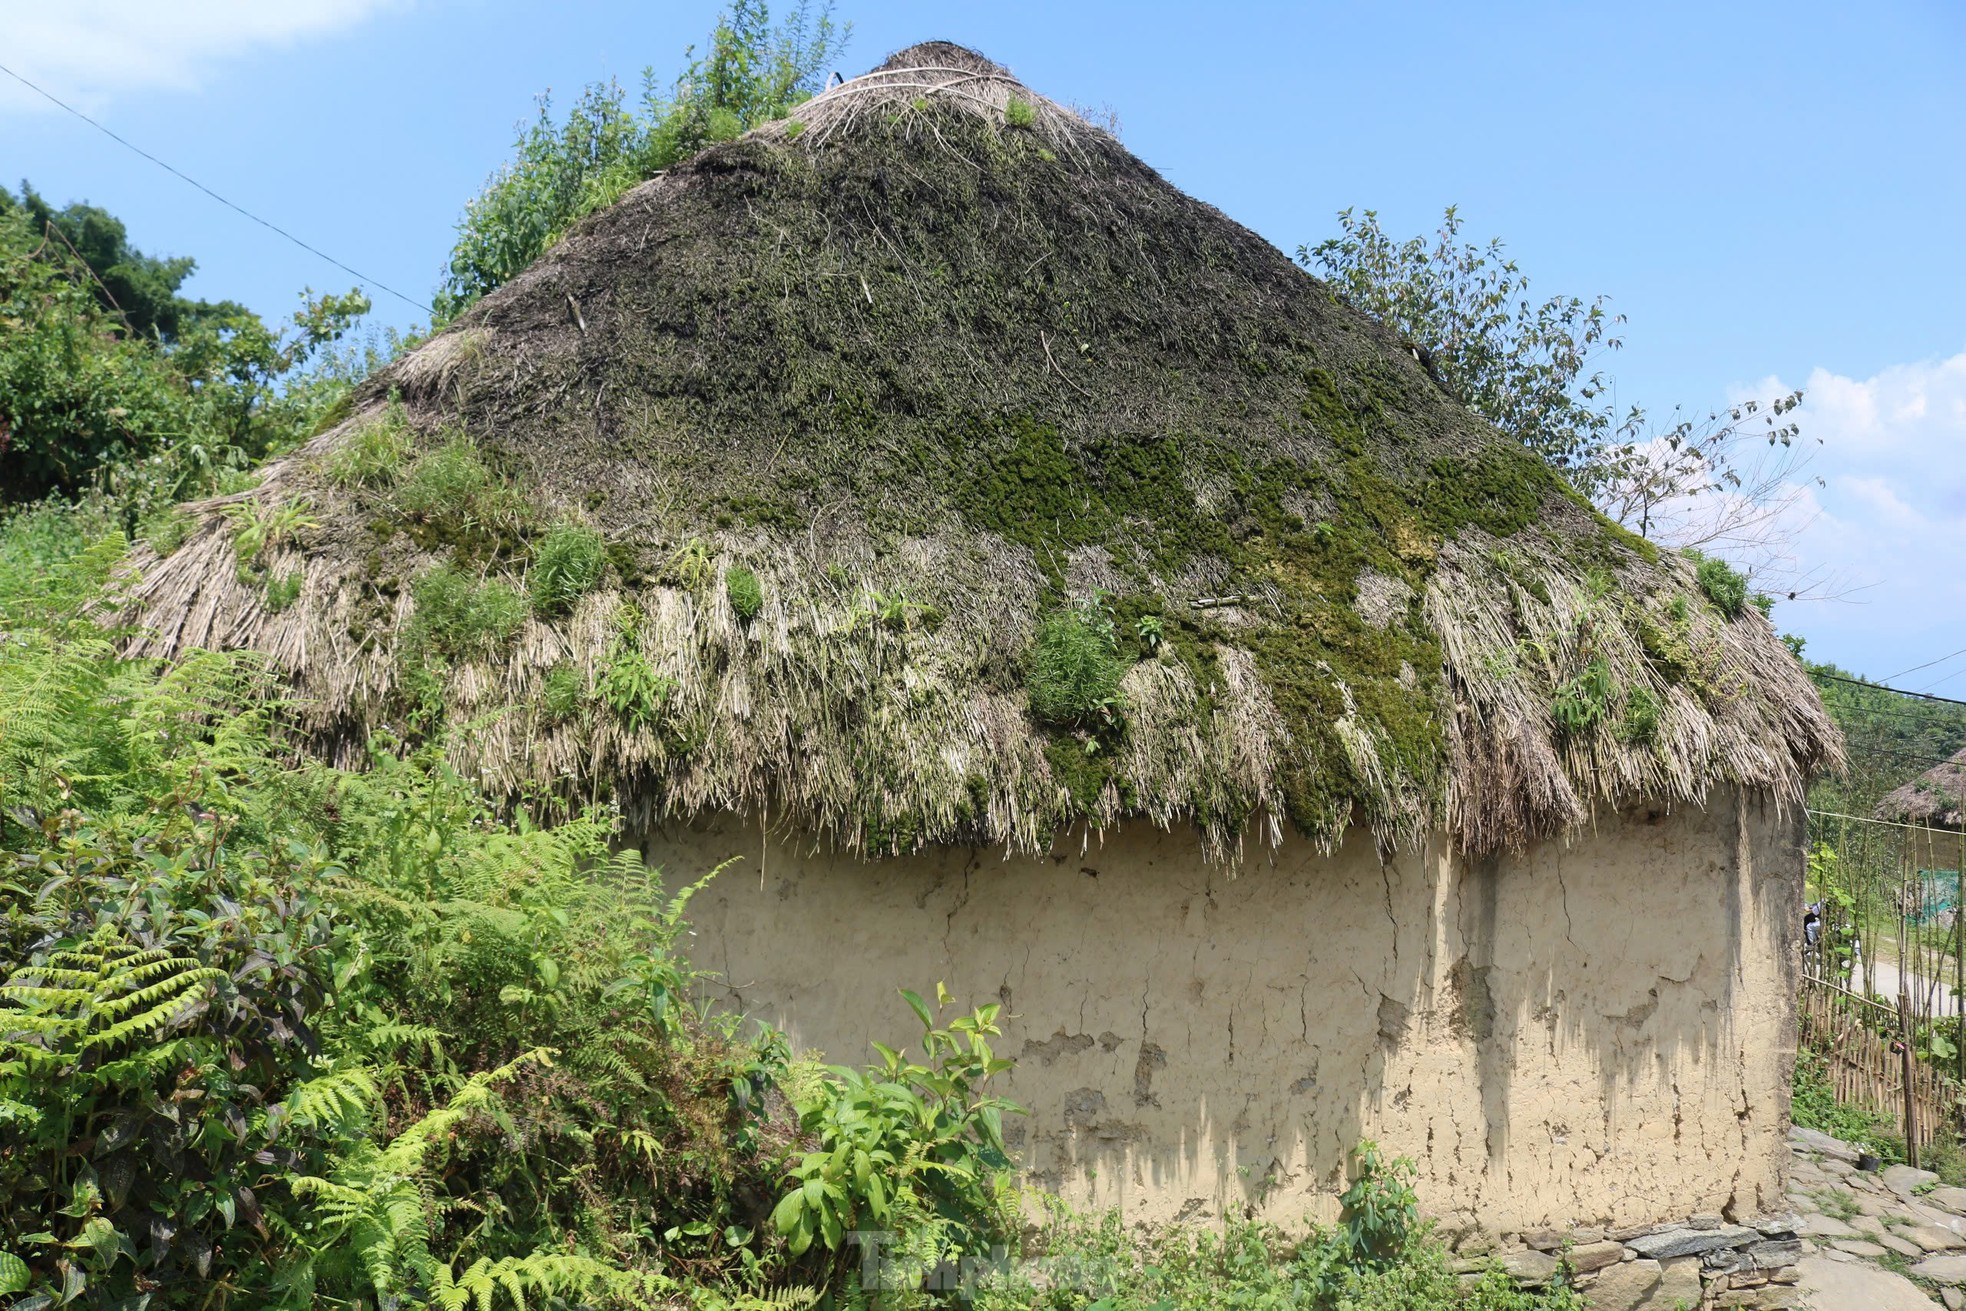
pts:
[934, 361]
[1936, 798]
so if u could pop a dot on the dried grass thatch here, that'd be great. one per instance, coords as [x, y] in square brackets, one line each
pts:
[1936, 798]
[932, 362]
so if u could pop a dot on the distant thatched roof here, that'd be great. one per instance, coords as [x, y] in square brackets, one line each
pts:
[1936, 798]
[801, 450]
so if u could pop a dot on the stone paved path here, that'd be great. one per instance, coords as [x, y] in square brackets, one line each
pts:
[1891, 1240]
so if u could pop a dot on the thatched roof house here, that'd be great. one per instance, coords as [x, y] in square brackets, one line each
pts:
[1936, 798]
[926, 474]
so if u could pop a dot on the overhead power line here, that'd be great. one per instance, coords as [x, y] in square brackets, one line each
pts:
[1928, 664]
[1879, 687]
[271, 227]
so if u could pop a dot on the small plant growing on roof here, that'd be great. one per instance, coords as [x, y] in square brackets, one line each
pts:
[373, 455]
[563, 693]
[1723, 585]
[1151, 632]
[260, 530]
[629, 685]
[746, 593]
[566, 565]
[1020, 113]
[454, 497]
[1639, 723]
[1075, 667]
[458, 616]
[1582, 703]
[282, 591]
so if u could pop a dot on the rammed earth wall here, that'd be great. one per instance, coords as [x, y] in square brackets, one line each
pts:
[1597, 1032]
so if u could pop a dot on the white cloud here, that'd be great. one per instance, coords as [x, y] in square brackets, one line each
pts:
[1889, 521]
[89, 52]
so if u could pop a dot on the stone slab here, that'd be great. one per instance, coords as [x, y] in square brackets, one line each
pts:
[1903, 1179]
[1587, 1257]
[1823, 1145]
[1625, 1287]
[1691, 1242]
[1942, 1269]
[1932, 1238]
[1854, 1286]
[1530, 1269]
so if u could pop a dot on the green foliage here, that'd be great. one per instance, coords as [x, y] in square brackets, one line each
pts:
[1075, 668]
[106, 376]
[1584, 702]
[451, 498]
[460, 617]
[746, 593]
[563, 693]
[374, 454]
[1378, 1258]
[755, 71]
[137, 289]
[1813, 1105]
[906, 1147]
[282, 590]
[1518, 363]
[1722, 584]
[1891, 739]
[630, 687]
[566, 565]
[1019, 113]
[1640, 721]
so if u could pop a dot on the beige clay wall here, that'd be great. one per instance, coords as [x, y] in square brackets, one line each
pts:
[1595, 1031]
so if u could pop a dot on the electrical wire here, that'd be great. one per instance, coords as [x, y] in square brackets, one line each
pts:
[271, 227]
[1928, 664]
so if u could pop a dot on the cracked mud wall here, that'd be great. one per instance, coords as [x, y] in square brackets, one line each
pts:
[1594, 1031]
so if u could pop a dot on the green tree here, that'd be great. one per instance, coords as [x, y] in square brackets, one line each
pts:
[755, 71]
[103, 366]
[140, 289]
[1532, 367]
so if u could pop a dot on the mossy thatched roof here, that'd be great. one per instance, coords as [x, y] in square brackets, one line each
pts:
[777, 485]
[1936, 798]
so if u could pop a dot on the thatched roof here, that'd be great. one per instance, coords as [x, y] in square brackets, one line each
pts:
[1936, 798]
[862, 405]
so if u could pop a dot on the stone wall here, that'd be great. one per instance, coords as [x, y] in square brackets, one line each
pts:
[1595, 1032]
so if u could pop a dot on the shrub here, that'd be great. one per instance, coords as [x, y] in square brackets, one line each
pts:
[1019, 113]
[631, 688]
[913, 1149]
[746, 593]
[1723, 585]
[1075, 669]
[566, 565]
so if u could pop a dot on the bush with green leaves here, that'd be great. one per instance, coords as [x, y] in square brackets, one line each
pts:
[566, 565]
[1075, 668]
[1723, 585]
[1584, 701]
[909, 1148]
[755, 71]
[1378, 1257]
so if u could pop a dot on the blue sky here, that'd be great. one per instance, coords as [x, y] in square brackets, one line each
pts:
[1771, 192]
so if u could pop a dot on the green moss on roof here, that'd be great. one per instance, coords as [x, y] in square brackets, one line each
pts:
[914, 377]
